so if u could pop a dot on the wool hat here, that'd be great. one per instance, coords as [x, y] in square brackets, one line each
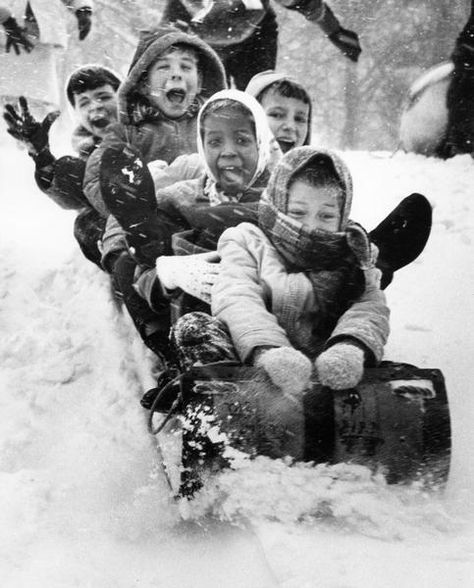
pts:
[89, 74]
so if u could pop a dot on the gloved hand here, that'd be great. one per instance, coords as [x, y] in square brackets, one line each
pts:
[287, 368]
[23, 127]
[347, 42]
[16, 37]
[194, 274]
[84, 21]
[341, 366]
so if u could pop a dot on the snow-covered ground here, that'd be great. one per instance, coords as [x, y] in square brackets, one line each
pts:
[82, 499]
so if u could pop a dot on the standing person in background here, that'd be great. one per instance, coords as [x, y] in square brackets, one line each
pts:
[460, 97]
[244, 33]
[35, 33]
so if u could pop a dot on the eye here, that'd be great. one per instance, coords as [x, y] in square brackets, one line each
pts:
[301, 119]
[276, 115]
[213, 142]
[327, 216]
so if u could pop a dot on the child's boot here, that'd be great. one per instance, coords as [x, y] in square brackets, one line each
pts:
[129, 194]
[402, 235]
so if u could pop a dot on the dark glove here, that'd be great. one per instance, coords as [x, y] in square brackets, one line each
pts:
[347, 42]
[16, 37]
[23, 127]
[84, 22]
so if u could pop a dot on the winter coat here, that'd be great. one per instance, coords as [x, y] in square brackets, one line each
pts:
[265, 299]
[62, 181]
[49, 16]
[263, 304]
[154, 135]
[183, 202]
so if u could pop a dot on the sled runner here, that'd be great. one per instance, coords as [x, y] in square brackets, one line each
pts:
[396, 420]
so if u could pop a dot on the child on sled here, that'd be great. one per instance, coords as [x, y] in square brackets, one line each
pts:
[299, 288]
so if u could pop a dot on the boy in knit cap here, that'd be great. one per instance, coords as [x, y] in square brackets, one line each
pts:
[92, 93]
[301, 287]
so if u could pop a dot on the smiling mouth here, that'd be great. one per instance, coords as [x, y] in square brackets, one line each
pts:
[286, 144]
[176, 96]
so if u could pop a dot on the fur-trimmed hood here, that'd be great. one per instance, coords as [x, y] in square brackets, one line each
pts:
[264, 79]
[151, 45]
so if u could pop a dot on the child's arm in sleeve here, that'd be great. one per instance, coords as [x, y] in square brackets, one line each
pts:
[238, 298]
[367, 321]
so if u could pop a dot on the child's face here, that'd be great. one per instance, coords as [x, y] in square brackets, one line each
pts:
[173, 82]
[288, 119]
[230, 148]
[315, 207]
[96, 109]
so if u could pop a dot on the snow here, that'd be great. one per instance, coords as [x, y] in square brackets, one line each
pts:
[83, 502]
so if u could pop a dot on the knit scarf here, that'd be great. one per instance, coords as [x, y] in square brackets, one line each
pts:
[331, 264]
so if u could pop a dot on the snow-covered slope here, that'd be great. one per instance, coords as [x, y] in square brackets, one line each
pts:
[82, 500]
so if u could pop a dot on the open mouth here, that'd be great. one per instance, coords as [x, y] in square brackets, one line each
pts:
[100, 122]
[286, 144]
[176, 96]
[231, 174]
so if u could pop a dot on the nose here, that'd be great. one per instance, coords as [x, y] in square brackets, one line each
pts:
[95, 103]
[175, 72]
[288, 124]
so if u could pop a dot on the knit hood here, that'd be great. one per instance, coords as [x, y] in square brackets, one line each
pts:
[267, 147]
[292, 163]
[265, 79]
[151, 45]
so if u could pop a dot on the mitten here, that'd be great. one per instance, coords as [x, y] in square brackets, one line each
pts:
[287, 368]
[347, 42]
[16, 37]
[341, 366]
[84, 22]
[25, 128]
[194, 274]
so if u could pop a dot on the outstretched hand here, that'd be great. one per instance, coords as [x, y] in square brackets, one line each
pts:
[347, 42]
[23, 127]
[84, 22]
[16, 37]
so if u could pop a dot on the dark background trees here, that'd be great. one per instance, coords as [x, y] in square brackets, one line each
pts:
[355, 107]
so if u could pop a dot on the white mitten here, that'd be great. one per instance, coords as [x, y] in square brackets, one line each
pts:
[287, 368]
[341, 366]
[194, 274]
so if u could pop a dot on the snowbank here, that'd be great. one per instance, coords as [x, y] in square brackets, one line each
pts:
[82, 498]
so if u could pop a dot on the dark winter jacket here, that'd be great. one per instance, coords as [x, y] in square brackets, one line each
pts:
[150, 132]
[62, 179]
[216, 29]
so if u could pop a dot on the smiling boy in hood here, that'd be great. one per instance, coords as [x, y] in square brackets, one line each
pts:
[171, 75]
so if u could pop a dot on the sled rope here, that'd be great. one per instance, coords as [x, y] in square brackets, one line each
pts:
[174, 407]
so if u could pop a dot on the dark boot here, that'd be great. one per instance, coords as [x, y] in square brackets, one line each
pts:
[152, 326]
[89, 228]
[129, 194]
[402, 235]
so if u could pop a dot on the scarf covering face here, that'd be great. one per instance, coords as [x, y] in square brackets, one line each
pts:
[332, 261]
[267, 147]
